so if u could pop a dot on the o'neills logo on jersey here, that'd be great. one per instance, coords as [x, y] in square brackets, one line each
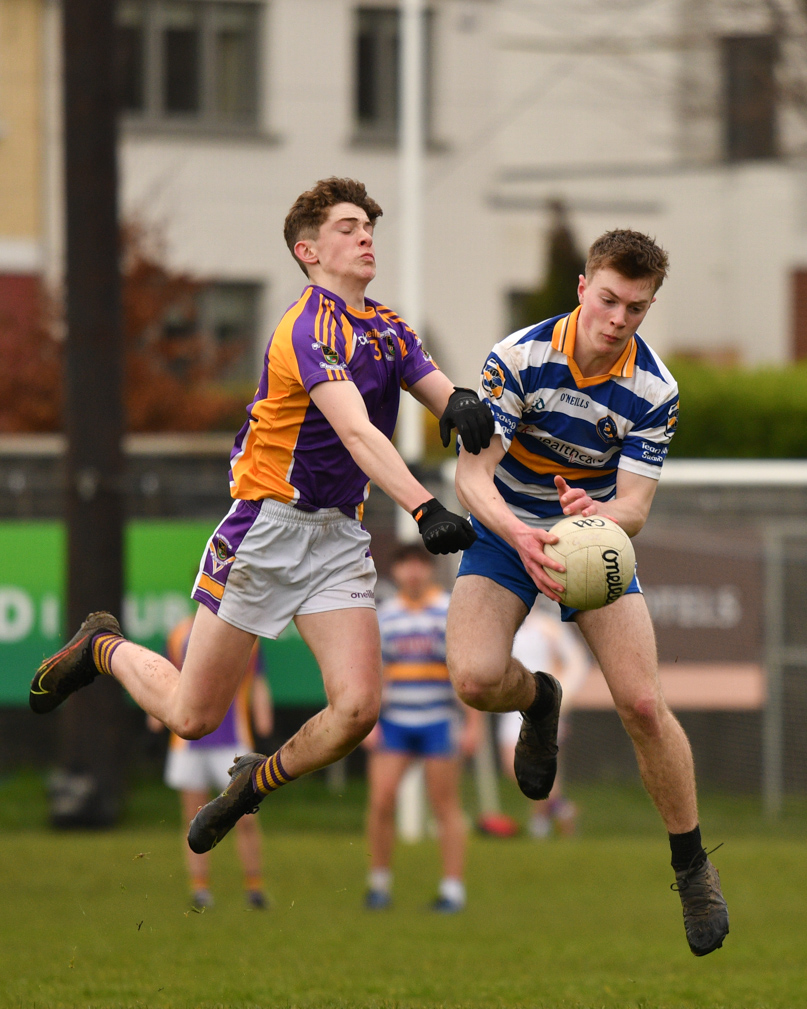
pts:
[613, 575]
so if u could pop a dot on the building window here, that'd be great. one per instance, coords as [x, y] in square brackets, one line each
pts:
[216, 329]
[188, 62]
[230, 313]
[377, 73]
[749, 97]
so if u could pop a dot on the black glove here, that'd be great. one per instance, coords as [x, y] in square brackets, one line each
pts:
[471, 417]
[443, 532]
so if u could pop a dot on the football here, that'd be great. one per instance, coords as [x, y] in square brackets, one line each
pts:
[599, 560]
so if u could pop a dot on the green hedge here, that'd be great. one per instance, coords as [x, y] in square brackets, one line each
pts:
[740, 412]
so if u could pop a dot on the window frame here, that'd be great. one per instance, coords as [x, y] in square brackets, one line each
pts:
[386, 135]
[207, 120]
[750, 104]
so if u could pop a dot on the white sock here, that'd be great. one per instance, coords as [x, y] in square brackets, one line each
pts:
[380, 880]
[453, 889]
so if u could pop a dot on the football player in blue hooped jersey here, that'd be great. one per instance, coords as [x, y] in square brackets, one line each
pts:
[584, 413]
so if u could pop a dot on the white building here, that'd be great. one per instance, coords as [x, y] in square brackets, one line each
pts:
[682, 118]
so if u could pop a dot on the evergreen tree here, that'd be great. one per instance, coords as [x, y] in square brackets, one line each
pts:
[565, 263]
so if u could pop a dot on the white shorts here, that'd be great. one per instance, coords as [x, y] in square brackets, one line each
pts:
[268, 561]
[199, 768]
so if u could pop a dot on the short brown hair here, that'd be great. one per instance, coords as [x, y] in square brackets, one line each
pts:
[311, 208]
[634, 255]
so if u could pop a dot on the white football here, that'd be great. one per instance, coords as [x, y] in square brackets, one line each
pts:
[599, 560]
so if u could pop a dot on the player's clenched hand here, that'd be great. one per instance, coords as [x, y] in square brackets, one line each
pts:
[443, 532]
[472, 419]
[529, 544]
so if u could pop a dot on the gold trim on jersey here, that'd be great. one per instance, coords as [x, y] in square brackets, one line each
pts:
[564, 336]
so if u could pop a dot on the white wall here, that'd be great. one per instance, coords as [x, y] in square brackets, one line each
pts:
[526, 111]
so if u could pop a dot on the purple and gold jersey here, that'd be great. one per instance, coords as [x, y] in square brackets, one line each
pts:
[287, 450]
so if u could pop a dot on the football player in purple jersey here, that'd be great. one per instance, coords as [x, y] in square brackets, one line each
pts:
[292, 546]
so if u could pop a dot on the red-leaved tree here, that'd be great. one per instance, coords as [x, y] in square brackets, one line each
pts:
[171, 363]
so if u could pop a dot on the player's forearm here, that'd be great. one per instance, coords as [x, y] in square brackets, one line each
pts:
[477, 493]
[433, 392]
[376, 456]
[628, 511]
[631, 506]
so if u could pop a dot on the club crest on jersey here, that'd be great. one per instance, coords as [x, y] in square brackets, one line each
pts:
[606, 429]
[493, 379]
[328, 353]
[220, 554]
[388, 345]
[672, 420]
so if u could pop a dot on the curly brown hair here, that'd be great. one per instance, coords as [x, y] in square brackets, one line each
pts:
[311, 208]
[634, 255]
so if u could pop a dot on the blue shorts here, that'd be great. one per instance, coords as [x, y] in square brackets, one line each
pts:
[435, 740]
[491, 557]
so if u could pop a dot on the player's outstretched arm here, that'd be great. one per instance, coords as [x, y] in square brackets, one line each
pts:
[630, 508]
[477, 492]
[344, 409]
[456, 408]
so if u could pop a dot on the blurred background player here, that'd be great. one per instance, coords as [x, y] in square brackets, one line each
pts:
[420, 719]
[197, 767]
[545, 642]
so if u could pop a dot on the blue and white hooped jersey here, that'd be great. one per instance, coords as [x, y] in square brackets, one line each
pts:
[417, 688]
[552, 420]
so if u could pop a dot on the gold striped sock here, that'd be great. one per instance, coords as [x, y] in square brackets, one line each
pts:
[103, 648]
[269, 775]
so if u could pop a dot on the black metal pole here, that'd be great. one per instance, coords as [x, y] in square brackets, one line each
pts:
[92, 731]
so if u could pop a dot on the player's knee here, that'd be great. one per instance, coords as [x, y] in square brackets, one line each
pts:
[197, 726]
[359, 719]
[644, 715]
[473, 692]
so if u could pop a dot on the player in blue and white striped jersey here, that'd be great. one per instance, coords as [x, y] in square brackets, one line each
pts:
[420, 719]
[552, 421]
[584, 414]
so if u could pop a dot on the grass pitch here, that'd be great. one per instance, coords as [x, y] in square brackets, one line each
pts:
[101, 921]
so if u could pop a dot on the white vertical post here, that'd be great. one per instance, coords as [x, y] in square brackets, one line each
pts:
[411, 147]
[486, 774]
[773, 714]
[410, 813]
[409, 436]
